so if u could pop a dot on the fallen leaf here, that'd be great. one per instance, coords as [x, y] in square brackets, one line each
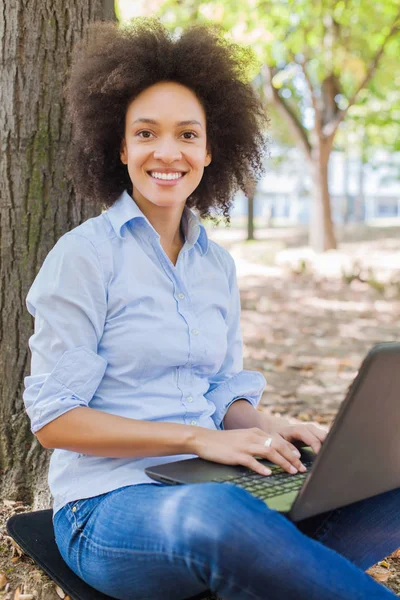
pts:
[60, 592]
[3, 580]
[302, 367]
[384, 564]
[20, 508]
[379, 574]
[304, 416]
[15, 547]
[344, 364]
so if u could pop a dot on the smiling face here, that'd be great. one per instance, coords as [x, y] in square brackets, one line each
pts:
[165, 133]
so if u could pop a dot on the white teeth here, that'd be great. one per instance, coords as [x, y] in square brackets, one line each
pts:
[166, 175]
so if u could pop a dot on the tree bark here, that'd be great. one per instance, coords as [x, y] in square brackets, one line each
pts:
[250, 218]
[346, 207]
[359, 211]
[322, 235]
[250, 191]
[37, 204]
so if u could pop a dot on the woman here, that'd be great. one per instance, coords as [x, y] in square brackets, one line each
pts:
[137, 349]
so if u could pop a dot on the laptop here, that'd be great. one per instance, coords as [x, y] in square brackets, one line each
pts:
[359, 458]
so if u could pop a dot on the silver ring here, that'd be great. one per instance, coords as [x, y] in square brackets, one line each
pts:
[268, 442]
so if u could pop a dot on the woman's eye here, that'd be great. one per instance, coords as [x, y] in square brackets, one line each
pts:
[146, 137]
[190, 133]
[145, 131]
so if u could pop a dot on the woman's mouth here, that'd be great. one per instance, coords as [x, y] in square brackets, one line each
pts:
[166, 179]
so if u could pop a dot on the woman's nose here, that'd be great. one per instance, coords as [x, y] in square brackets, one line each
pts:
[167, 151]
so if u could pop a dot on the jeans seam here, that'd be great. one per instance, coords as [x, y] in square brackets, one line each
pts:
[245, 591]
[327, 524]
[75, 514]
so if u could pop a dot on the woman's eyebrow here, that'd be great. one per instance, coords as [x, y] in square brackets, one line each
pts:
[178, 123]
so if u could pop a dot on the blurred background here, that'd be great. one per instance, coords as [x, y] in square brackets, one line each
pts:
[329, 73]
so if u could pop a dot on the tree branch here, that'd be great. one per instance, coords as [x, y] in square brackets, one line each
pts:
[295, 126]
[330, 129]
[314, 101]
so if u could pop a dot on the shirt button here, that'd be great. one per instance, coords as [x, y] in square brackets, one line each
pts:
[74, 509]
[195, 331]
[193, 422]
[181, 296]
[189, 398]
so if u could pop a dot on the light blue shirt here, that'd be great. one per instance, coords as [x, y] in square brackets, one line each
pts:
[120, 329]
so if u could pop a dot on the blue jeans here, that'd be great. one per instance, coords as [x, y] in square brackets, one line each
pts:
[160, 542]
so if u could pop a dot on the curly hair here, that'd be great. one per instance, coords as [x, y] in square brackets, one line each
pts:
[114, 64]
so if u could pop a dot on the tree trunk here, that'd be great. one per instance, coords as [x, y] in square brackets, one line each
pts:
[250, 218]
[347, 209]
[250, 191]
[322, 236]
[359, 209]
[37, 205]
[269, 223]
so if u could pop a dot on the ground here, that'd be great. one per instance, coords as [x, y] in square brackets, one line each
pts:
[307, 323]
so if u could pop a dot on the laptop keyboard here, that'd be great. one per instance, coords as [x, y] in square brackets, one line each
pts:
[263, 487]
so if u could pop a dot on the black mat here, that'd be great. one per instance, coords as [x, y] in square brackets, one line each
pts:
[34, 533]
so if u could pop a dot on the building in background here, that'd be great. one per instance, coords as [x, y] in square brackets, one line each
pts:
[359, 192]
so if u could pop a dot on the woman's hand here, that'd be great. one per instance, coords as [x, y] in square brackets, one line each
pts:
[310, 434]
[241, 446]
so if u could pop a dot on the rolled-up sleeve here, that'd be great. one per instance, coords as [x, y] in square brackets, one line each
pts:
[68, 301]
[232, 382]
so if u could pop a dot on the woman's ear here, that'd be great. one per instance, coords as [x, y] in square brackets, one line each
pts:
[208, 159]
[123, 153]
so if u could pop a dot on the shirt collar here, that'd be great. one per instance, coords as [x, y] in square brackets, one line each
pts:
[125, 209]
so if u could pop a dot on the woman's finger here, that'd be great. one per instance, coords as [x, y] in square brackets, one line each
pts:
[305, 435]
[251, 463]
[276, 436]
[321, 433]
[280, 454]
[289, 452]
